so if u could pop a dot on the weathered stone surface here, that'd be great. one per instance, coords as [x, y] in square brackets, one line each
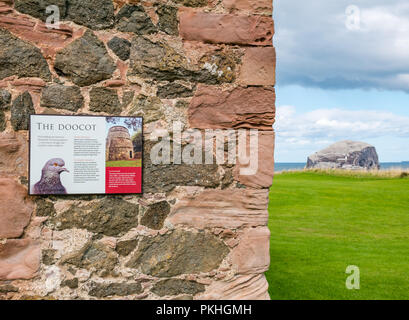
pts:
[164, 178]
[150, 108]
[168, 20]
[48, 257]
[20, 58]
[8, 288]
[254, 243]
[222, 208]
[245, 287]
[15, 208]
[220, 68]
[121, 47]
[258, 67]
[5, 99]
[44, 208]
[94, 65]
[103, 290]
[155, 215]
[172, 287]
[192, 3]
[174, 90]
[246, 108]
[126, 247]
[13, 154]
[132, 18]
[250, 6]
[109, 216]
[179, 252]
[20, 111]
[37, 8]
[350, 155]
[224, 28]
[104, 100]
[263, 178]
[70, 283]
[2, 121]
[94, 256]
[36, 32]
[62, 97]
[160, 61]
[19, 259]
[94, 14]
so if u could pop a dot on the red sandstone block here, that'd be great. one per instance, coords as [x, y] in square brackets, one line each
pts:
[247, 108]
[258, 66]
[251, 6]
[263, 178]
[225, 28]
[19, 259]
[15, 208]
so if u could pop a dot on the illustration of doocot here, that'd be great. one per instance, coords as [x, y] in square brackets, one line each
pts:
[119, 144]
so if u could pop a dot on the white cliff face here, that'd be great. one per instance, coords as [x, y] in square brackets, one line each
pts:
[346, 154]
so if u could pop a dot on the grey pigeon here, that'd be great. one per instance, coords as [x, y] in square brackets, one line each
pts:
[50, 182]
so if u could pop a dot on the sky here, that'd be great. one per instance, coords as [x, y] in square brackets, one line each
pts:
[342, 73]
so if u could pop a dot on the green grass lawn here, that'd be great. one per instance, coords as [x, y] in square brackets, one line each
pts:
[132, 163]
[322, 223]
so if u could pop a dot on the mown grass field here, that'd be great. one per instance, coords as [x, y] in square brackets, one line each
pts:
[321, 222]
[132, 163]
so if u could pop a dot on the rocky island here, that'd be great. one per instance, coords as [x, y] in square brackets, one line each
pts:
[349, 155]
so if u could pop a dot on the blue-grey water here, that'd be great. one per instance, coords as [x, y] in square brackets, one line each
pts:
[283, 166]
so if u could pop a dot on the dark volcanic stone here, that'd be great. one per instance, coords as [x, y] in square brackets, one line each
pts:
[127, 98]
[150, 108]
[168, 20]
[104, 100]
[44, 208]
[165, 177]
[62, 97]
[85, 61]
[49, 256]
[179, 252]
[94, 14]
[37, 8]
[121, 47]
[109, 216]
[157, 60]
[161, 62]
[70, 283]
[174, 90]
[192, 3]
[5, 99]
[20, 111]
[155, 216]
[8, 288]
[2, 121]
[134, 19]
[96, 256]
[21, 58]
[173, 287]
[126, 247]
[102, 290]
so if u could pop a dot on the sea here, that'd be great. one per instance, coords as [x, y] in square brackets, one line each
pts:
[285, 166]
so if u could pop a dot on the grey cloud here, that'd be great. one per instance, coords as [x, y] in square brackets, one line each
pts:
[315, 48]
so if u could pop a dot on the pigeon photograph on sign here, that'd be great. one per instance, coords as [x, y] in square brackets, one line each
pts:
[85, 155]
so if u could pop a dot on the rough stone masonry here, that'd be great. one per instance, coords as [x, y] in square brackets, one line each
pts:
[198, 231]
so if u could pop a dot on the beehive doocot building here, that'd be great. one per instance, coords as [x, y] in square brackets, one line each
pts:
[119, 144]
[199, 231]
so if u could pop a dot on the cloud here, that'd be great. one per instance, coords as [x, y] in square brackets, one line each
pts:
[321, 127]
[317, 48]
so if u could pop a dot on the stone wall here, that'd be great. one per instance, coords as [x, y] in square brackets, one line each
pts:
[199, 231]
